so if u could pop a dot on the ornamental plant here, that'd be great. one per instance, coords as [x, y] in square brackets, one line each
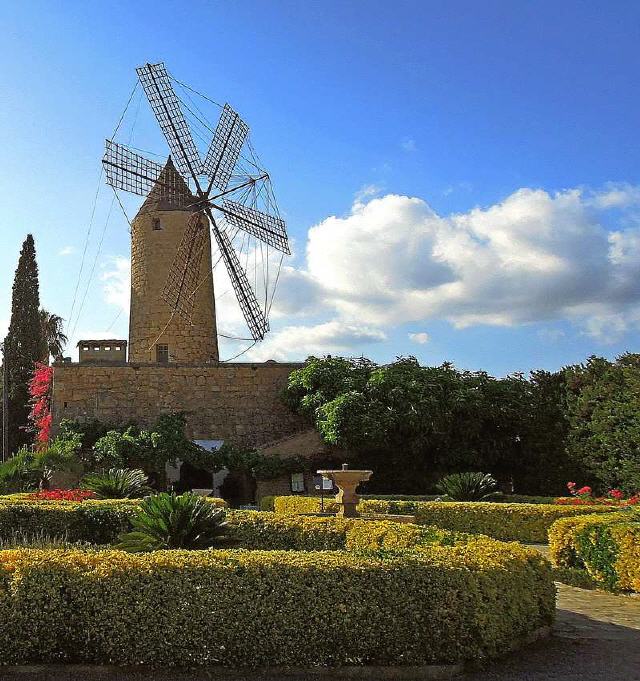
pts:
[40, 399]
[468, 487]
[62, 495]
[118, 483]
[169, 521]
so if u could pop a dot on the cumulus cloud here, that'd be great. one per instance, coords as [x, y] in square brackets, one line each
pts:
[116, 280]
[536, 256]
[66, 250]
[420, 338]
[298, 342]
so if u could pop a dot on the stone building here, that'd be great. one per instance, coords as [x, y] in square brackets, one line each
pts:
[173, 364]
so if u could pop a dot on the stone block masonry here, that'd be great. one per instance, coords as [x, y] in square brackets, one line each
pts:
[239, 402]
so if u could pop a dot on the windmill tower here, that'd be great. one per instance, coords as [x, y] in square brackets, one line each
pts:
[156, 334]
[220, 192]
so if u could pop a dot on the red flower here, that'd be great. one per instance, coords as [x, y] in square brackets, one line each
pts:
[62, 495]
[616, 494]
[571, 485]
[585, 491]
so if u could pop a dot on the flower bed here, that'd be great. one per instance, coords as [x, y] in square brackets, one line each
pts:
[421, 603]
[607, 547]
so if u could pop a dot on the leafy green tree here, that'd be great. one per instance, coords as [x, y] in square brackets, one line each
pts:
[603, 409]
[24, 344]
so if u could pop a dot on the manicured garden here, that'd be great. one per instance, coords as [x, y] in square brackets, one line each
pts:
[270, 589]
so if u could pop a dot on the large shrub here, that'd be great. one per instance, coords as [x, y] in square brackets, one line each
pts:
[252, 608]
[608, 547]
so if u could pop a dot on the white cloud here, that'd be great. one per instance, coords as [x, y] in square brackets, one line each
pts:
[421, 338]
[117, 282]
[66, 250]
[298, 342]
[408, 144]
[535, 256]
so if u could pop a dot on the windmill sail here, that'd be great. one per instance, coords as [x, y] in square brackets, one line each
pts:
[265, 227]
[184, 275]
[225, 147]
[165, 104]
[133, 173]
[256, 321]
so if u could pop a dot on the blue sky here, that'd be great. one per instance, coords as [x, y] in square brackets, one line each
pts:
[469, 171]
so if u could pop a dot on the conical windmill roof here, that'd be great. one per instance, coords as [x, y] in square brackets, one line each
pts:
[170, 192]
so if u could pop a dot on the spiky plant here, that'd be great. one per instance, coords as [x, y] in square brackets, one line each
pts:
[169, 521]
[468, 487]
[117, 483]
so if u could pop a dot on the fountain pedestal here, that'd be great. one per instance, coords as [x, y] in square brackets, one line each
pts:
[347, 481]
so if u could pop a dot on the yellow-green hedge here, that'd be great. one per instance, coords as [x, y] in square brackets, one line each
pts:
[253, 608]
[510, 522]
[528, 523]
[270, 531]
[296, 505]
[608, 547]
[95, 521]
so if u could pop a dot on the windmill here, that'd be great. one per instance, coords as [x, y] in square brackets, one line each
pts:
[216, 187]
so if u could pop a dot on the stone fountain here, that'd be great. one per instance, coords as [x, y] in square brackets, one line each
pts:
[347, 481]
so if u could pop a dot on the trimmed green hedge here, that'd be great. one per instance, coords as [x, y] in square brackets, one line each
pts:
[251, 608]
[270, 531]
[607, 547]
[95, 521]
[527, 523]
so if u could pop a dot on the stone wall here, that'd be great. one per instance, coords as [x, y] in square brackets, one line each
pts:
[234, 402]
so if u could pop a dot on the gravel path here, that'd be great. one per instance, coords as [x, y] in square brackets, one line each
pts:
[596, 638]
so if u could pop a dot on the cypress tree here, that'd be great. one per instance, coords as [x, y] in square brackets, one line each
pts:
[24, 344]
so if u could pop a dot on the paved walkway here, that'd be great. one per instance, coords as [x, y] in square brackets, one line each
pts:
[596, 638]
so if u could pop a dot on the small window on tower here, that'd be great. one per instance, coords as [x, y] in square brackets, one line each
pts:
[162, 354]
[157, 224]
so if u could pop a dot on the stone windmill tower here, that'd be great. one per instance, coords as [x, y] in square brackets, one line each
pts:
[156, 333]
[221, 192]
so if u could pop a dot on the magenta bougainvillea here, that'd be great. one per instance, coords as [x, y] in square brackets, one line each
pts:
[40, 392]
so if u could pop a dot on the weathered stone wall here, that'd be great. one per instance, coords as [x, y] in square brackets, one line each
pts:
[234, 402]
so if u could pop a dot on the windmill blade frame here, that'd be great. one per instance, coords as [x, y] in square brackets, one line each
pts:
[269, 229]
[183, 278]
[256, 321]
[224, 150]
[165, 105]
[136, 174]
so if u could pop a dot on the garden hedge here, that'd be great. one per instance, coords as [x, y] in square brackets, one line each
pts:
[95, 521]
[269, 531]
[442, 604]
[527, 523]
[608, 547]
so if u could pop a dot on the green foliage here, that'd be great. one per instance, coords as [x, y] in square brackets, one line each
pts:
[468, 486]
[19, 472]
[168, 521]
[602, 408]
[408, 422]
[438, 605]
[24, 344]
[117, 483]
